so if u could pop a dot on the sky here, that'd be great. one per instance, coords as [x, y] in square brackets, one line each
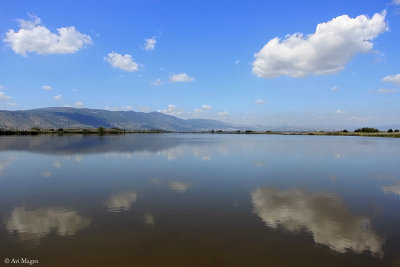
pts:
[315, 64]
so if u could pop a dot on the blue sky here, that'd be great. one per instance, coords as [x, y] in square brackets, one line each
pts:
[207, 59]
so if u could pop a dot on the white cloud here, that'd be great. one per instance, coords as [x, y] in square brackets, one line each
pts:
[173, 110]
[123, 62]
[57, 97]
[32, 224]
[335, 88]
[157, 82]
[259, 101]
[326, 51]
[203, 109]
[145, 109]
[180, 77]
[392, 78]
[396, 2]
[46, 87]
[206, 107]
[3, 96]
[13, 104]
[150, 44]
[386, 91]
[325, 216]
[79, 104]
[33, 37]
[121, 202]
[339, 111]
[223, 114]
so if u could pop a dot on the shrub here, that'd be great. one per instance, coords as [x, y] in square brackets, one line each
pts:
[366, 130]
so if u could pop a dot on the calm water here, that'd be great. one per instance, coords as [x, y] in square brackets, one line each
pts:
[206, 200]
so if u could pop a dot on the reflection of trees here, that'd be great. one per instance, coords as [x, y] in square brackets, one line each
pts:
[33, 224]
[122, 201]
[326, 216]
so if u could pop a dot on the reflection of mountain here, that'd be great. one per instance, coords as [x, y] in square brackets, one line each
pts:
[76, 144]
[66, 117]
[325, 216]
[33, 224]
[395, 189]
[121, 202]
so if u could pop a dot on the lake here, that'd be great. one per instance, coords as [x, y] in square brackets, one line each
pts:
[200, 200]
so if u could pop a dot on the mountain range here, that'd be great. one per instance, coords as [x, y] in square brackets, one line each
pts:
[67, 117]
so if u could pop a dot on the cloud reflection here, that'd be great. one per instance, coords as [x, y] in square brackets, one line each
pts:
[180, 187]
[326, 216]
[121, 202]
[395, 189]
[34, 224]
[149, 219]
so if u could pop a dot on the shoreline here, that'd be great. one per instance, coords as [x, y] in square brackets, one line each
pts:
[115, 131]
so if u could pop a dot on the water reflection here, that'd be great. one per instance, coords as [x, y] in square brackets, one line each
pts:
[180, 187]
[395, 189]
[35, 224]
[148, 219]
[121, 202]
[326, 216]
[5, 162]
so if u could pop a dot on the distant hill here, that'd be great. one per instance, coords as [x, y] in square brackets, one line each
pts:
[66, 117]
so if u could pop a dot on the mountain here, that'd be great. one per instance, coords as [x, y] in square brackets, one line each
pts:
[66, 117]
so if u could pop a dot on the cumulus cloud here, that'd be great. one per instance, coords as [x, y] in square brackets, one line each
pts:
[223, 114]
[395, 189]
[326, 51]
[173, 110]
[157, 82]
[34, 37]
[121, 202]
[203, 109]
[150, 44]
[325, 216]
[180, 77]
[392, 78]
[335, 88]
[46, 87]
[123, 62]
[386, 91]
[259, 101]
[57, 97]
[79, 104]
[339, 111]
[3, 96]
[32, 224]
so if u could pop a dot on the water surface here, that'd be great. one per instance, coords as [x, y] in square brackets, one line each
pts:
[199, 199]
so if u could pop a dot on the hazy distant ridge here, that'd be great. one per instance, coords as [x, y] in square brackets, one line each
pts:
[66, 117]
